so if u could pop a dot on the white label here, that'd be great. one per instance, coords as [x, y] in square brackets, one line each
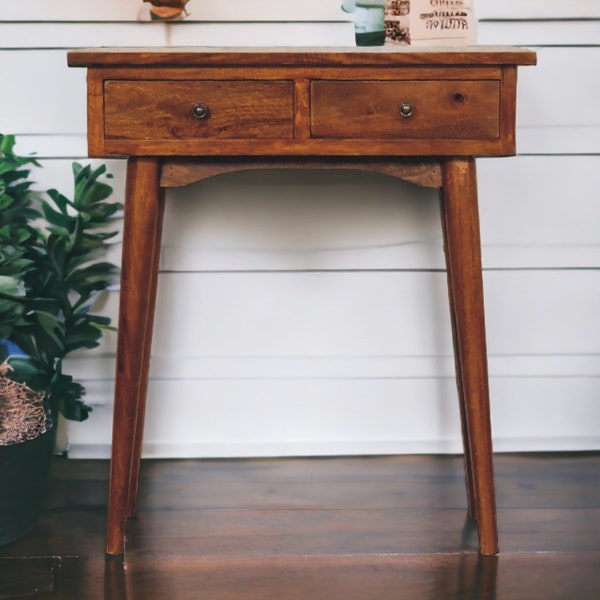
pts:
[441, 21]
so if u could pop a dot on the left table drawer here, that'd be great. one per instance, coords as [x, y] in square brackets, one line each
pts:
[164, 110]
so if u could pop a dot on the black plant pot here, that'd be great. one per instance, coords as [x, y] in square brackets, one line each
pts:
[24, 470]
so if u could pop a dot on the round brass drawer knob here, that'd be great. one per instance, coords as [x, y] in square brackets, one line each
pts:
[200, 111]
[406, 109]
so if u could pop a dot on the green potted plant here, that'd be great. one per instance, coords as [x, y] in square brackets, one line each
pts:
[51, 271]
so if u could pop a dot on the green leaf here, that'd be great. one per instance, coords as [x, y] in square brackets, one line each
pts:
[57, 253]
[53, 259]
[85, 335]
[61, 202]
[57, 218]
[68, 393]
[22, 337]
[50, 335]
[14, 266]
[7, 143]
[26, 371]
[93, 277]
[99, 320]
[74, 410]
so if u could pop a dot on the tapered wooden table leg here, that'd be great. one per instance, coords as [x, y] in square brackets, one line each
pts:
[463, 256]
[458, 368]
[142, 220]
[141, 413]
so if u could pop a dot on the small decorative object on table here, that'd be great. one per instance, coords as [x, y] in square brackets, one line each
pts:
[167, 10]
[413, 22]
[441, 22]
[369, 28]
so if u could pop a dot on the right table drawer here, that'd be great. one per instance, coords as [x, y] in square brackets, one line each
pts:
[437, 109]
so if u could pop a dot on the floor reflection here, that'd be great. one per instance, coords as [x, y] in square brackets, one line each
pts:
[115, 587]
[464, 576]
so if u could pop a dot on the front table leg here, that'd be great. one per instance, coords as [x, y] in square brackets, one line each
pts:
[139, 431]
[463, 258]
[142, 221]
[458, 368]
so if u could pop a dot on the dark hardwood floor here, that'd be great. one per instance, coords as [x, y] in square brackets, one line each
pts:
[376, 528]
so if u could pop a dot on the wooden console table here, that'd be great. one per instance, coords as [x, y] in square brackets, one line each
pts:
[181, 115]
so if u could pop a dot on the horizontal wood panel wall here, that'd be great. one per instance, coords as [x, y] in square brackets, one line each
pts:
[306, 313]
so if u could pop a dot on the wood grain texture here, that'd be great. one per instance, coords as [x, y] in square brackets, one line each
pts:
[358, 118]
[180, 172]
[464, 425]
[548, 508]
[159, 110]
[314, 147]
[145, 368]
[463, 251]
[24, 578]
[303, 103]
[143, 216]
[476, 55]
[370, 109]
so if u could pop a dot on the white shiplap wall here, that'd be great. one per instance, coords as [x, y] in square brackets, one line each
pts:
[294, 317]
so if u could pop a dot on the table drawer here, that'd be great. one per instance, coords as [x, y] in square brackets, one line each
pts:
[439, 109]
[164, 110]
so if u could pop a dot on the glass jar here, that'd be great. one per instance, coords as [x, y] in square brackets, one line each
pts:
[369, 27]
